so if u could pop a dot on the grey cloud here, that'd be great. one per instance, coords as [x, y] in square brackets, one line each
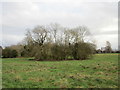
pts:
[114, 32]
[99, 17]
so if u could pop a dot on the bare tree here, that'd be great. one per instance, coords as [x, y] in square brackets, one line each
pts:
[108, 48]
[76, 35]
[39, 35]
[28, 38]
[54, 29]
[81, 32]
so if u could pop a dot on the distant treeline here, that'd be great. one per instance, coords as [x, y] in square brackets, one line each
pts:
[107, 49]
[104, 51]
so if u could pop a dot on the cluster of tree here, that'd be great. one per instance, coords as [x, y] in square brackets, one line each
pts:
[54, 42]
[9, 53]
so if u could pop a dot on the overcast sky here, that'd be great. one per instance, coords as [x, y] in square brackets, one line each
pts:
[100, 17]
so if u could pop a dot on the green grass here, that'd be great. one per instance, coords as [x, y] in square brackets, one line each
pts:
[99, 72]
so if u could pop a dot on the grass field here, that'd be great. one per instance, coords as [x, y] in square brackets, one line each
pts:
[99, 72]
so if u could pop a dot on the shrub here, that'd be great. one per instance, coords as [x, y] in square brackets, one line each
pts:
[9, 53]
